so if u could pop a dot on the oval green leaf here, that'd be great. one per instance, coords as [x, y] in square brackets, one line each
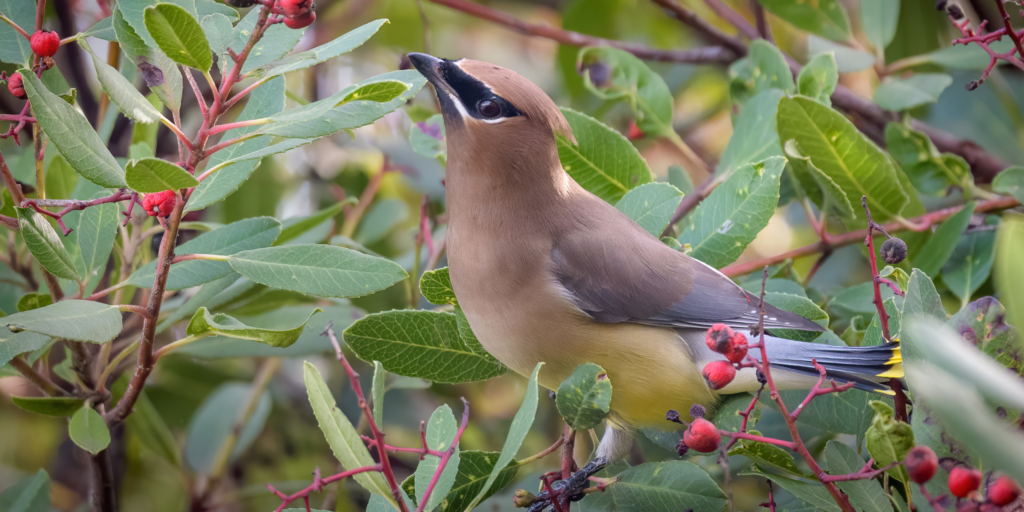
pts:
[584, 398]
[150, 175]
[179, 35]
[88, 430]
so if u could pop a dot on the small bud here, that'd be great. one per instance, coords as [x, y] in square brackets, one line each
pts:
[681, 448]
[718, 374]
[894, 251]
[44, 43]
[159, 204]
[718, 337]
[15, 85]
[301, 21]
[523, 498]
[697, 411]
[702, 436]
[921, 464]
[761, 379]
[954, 11]
[963, 481]
[972, 85]
[241, 3]
[673, 416]
[1004, 491]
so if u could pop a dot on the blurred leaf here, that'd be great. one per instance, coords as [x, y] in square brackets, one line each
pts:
[146, 423]
[848, 60]
[383, 217]
[299, 226]
[204, 322]
[969, 56]
[218, 31]
[812, 493]
[265, 101]
[734, 213]
[49, 405]
[213, 424]
[441, 430]
[31, 301]
[825, 17]
[151, 175]
[277, 41]
[801, 306]
[763, 68]
[673, 485]
[1010, 181]
[879, 19]
[1009, 275]
[921, 297]
[72, 135]
[818, 78]
[424, 344]
[679, 178]
[616, 75]
[436, 286]
[754, 138]
[889, 440]
[906, 93]
[835, 146]
[45, 244]
[930, 432]
[32, 493]
[602, 160]
[14, 48]
[235, 238]
[377, 392]
[584, 398]
[88, 430]
[60, 179]
[865, 495]
[931, 172]
[517, 432]
[321, 270]
[309, 58]
[983, 324]
[474, 468]
[767, 455]
[969, 266]
[428, 138]
[18, 343]
[78, 320]
[940, 245]
[819, 187]
[651, 205]
[345, 442]
[127, 98]
[179, 35]
[198, 299]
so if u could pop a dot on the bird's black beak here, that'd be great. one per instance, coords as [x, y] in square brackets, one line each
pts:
[430, 67]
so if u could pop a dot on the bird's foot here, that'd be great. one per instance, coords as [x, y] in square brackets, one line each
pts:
[561, 492]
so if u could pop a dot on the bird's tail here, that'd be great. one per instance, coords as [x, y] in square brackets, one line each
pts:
[869, 368]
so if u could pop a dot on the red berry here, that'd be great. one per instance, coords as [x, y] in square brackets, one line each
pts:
[159, 204]
[702, 436]
[737, 348]
[921, 464]
[718, 337]
[15, 86]
[963, 481]
[301, 21]
[293, 8]
[718, 374]
[45, 43]
[635, 132]
[1004, 491]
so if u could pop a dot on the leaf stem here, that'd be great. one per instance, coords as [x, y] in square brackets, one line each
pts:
[178, 344]
[16, 27]
[44, 384]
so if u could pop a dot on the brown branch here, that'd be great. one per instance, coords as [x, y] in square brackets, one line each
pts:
[44, 384]
[691, 200]
[707, 31]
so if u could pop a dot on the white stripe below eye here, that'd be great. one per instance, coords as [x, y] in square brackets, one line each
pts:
[495, 120]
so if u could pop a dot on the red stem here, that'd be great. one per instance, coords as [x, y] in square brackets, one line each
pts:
[817, 390]
[447, 456]
[317, 485]
[1009, 28]
[399, 449]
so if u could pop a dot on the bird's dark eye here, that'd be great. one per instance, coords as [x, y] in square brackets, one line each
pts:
[489, 109]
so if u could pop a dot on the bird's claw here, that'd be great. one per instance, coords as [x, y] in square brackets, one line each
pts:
[566, 490]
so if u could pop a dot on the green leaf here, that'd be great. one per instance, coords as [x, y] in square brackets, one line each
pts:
[762, 69]
[921, 297]
[30, 494]
[679, 178]
[651, 205]
[819, 187]
[18, 343]
[802, 306]
[983, 323]
[428, 138]
[277, 41]
[906, 93]
[14, 48]
[345, 442]
[436, 286]
[441, 430]
[300, 226]
[879, 19]
[243, 235]
[60, 179]
[302, 60]
[127, 98]
[73, 136]
[265, 101]
[842, 152]
[826, 18]
[218, 31]
[754, 138]
[88, 430]
[474, 468]
[602, 160]
[889, 440]
[818, 78]
[380, 92]
[1010, 181]
[377, 392]
[865, 495]
[179, 35]
[673, 485]
[896, 275]
[78, 320]
[150, 175]
[767, 455]
[97, 229]
[940, 245]
[584, 398]
[727, 417]
[734, 213]
[848, 60]
[139, 46]
[1009, 276]
[966, 56]
[200, 298]
[616, 75]
[931, 172]
[49, 405]
[970, 264]
[517, 432]
[845, 412]
[213, 425]
[147, 425]
[321, 270]
[31, 301]
[45, 244]
[204, 322]
[424, 344]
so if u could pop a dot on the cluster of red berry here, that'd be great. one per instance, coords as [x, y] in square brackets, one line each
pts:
[298, 13]
[722, 339]
[44, 44]
[964, 481]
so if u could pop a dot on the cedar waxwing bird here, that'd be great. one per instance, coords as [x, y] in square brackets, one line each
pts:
[546, 271]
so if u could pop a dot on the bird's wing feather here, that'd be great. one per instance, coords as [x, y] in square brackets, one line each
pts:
[616, 272]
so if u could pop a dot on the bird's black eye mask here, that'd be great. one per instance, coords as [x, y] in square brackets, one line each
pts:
[478, 100]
